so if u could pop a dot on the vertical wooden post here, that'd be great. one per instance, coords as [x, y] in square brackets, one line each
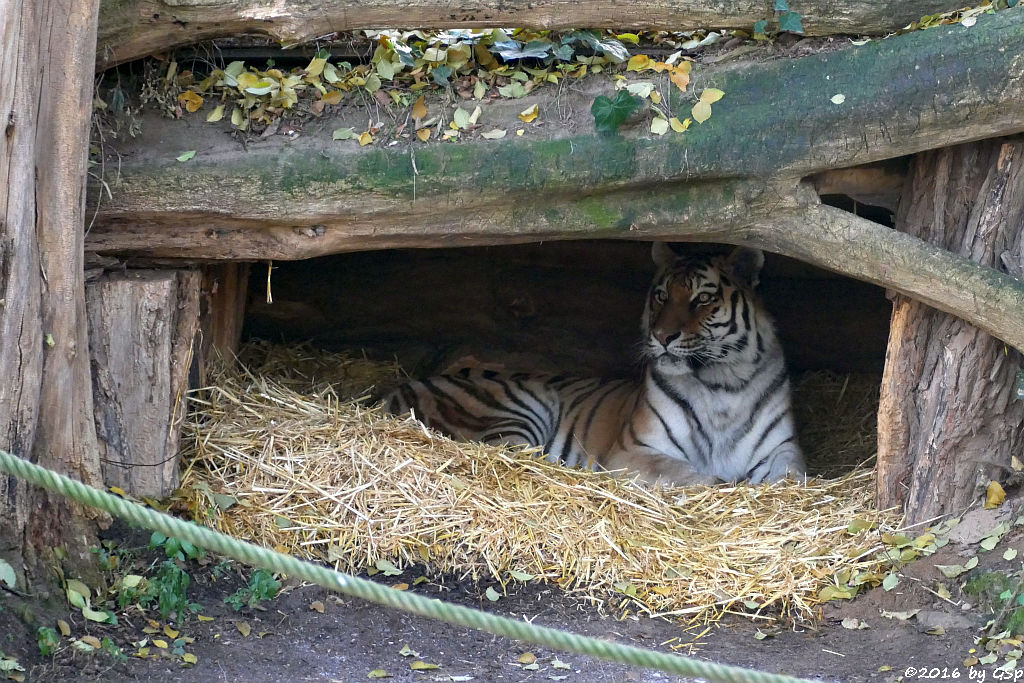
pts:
[949, 420]
[142, 325]
[225, 287]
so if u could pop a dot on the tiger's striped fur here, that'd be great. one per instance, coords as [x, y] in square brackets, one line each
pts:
[713, 404]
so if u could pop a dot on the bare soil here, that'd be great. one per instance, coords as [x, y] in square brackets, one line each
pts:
[289, 640]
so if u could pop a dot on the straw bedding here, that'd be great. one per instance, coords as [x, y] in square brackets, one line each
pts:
[281, 451]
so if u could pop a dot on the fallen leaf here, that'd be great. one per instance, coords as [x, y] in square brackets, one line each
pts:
[885, 667]
[1010, 554]
[419, 110]
[701, 112]
[379, 673]
[365, 139]
[559, 664]
[423, 666]
[711, 95]
[995, 496]
[203, 617]
[407, 651]
[479, 90]
[187, 155]
[890, 582]
[901, 616]
[423, 134]
[333, 97]
[317, 606]
[942, 592]
[492, 594]
[65, 628]
[528, 115]
[638, 63]
[162, 644]
[679, 126]
[838, 99]
[496, 134]
[189, 658]
[659, 126]
[527, 658]
[460, 119]
[971, 661]
[93, 641]
[401, 586]
[192, 101]
[854, 624]
[242, 626]
[170, 632]
[936, 631]
[216, 115]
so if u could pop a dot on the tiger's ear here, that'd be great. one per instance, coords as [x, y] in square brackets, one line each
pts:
[662, 254]
[745, 265]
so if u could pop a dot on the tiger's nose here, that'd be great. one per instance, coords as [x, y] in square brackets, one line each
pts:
[665, 337]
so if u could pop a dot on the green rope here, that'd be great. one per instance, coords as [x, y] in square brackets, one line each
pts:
[375, 592]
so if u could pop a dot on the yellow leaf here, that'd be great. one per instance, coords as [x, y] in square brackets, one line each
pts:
[317, 606]
[117, 490]
[530, 114]
[162, 644]
[419, 110]
[333, 97]
[401, 586]
[316, 67]
[659, 126]
[93, 641]
[638, 63]
[680, 76]
[242, 626]
[520, 131]
[422, 666]
[629, 38]
[189, 658]
[527, 658]
[701, 111]
[679, 126]
[995, 495]
[711, 95]
[213, 117]
[192, 100]
[65, 628]
[203, 617]
[170, 632]
[423, 134]
[655, 97]
[365, 138]
[379, 673]
[247, 80]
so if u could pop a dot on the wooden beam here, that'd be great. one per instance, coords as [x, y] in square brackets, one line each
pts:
[130, 29]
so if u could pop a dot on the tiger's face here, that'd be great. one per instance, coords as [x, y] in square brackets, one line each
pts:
[699, 309]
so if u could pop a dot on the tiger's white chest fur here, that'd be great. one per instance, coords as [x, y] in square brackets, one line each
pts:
[713, 405]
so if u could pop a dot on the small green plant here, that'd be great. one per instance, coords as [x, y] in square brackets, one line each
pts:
[48, 640]
[609, 113]
[169, 589]
[262, 586]
[176, 549]
[111, 648]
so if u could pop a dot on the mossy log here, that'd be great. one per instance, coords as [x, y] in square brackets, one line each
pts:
[134, 28]
[731, 179]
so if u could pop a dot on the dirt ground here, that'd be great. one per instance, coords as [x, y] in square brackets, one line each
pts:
[289, 639]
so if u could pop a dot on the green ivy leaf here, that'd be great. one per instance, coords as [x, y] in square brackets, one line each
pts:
[609, 114]
[792, 22]
[781, 6]
[761, 27]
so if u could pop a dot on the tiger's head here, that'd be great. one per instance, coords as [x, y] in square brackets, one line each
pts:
[701, 309]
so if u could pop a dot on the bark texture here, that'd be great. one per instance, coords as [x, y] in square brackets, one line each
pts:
[45, 398]
[141, 330]
[134, 28]
[949, 420]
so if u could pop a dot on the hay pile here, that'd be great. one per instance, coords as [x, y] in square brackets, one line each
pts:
[279, 456]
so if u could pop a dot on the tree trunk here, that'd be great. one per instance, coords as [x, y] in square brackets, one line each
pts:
[141, 330]
[45, 396]
[134, 28]
[949, 420]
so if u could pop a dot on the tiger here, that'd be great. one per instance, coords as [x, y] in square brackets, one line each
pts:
[713, 403]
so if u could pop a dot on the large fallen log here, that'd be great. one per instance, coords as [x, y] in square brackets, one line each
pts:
[134, 28]
[731, 179]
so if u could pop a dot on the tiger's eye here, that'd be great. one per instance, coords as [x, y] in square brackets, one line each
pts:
[660, 296]
[704, 298]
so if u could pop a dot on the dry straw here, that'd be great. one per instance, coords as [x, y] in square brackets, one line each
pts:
[283, 453]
